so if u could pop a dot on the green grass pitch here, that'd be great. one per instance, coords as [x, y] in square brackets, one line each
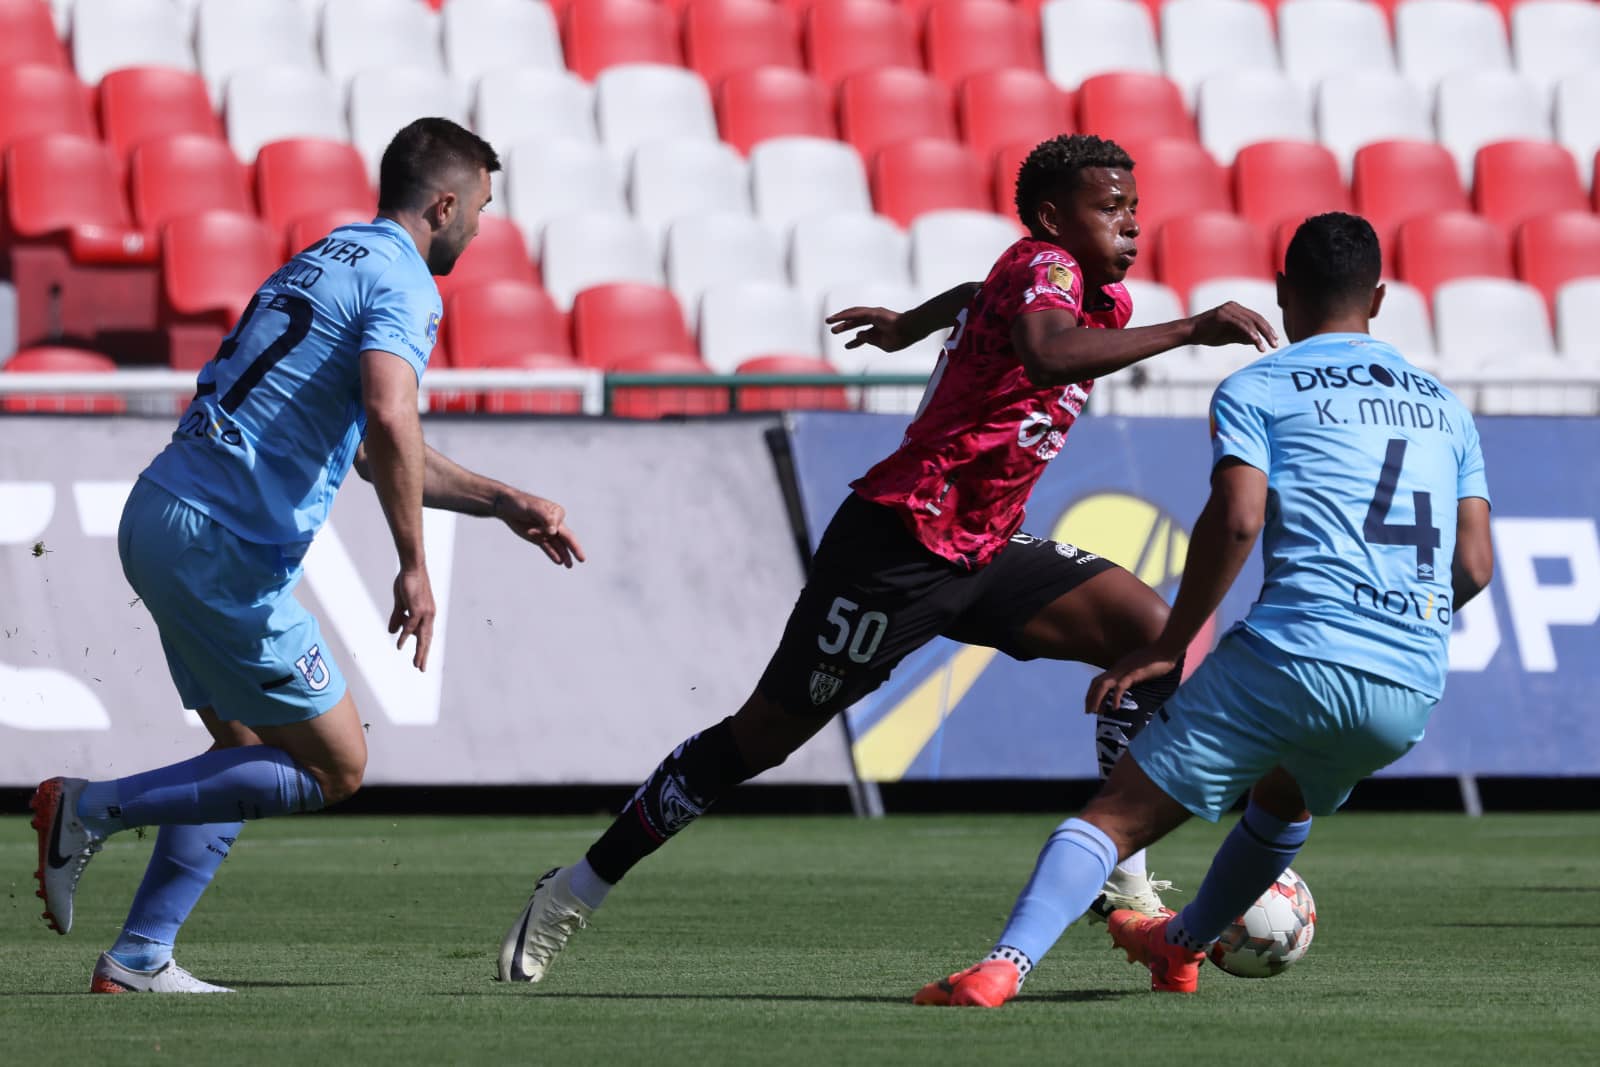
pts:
[773, 941]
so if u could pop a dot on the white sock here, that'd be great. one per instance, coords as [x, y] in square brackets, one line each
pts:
[1134, 864]
[586, 885]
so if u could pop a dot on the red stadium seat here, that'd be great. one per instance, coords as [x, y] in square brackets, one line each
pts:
[1552, 250]
[1287, 181]
[64, 184]
[1212, 244]
[764, 102]
[1007, 162]
[1132, 107]
[1437, 248]
[613, 324]
[299, 176]
[306, 230]
[36, 99]
[185, 173]
[650, 402]
[596, 34]
[847, 36]
[494, 323]
[1397, 180]
[140, 103]
[879, 107]
[723, 37]
[28, 34]
[910, 178]
[533, 401]
[967, 37]
[1006, 107]
[498, 253]
[57, 360]
[211, 264]
[1177, 178]
[1515, 180]
[790, 397]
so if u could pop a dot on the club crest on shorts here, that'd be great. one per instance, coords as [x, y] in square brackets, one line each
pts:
[1065, 550]
[825, 686]
[314, 669]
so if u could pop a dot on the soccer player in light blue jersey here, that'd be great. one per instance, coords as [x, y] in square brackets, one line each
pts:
[1367, 478]
[321, 373]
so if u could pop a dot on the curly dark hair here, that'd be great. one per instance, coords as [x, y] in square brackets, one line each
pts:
[1334, 260]
[1055, 164]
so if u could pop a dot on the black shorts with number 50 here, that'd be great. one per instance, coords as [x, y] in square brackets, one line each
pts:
[875, 595]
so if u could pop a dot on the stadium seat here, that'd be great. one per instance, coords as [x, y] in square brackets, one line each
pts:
[1236, 109]
[182, 174]
[911, 178]
[305, 230]
[1153, 303]
[1397, 180]
[1554, 249]
[1177, 178]
[917, 358]
[704, 251]
[640, 102]
[1476, 109]
[880, 107]
[1287, 181]
[1200, 38]
[498, 254]
[360, 35]
[28, 35]
[212, 262]
[951, 247]
[967, 37]
[1331, 38]
[723, 37]
[830, 250]
[1213, 363]
[110, 34]
[521, 401]
[265, 104]
[740, 320]
[65, 184]
[1127, 108]
[1405, 322]
[1007, 164]
[1005, 107]
[766, 102]
[846, 36]
[654, 402]
[530, 103]
[232, 35]
[495, 324]
[59, 360]
[384, 100]
[1514, 180]
[1367, 107]
[1578, 321]
[789, 397]
[1083, 38]
[594, 248]
[792, 177]
[546, 179]
[36, 99]
[1551, 39]
[673, 178]
[140, 103]
[480, 36]
[305, 174]
[1481, 322]
[1436, 38]
[596, 34]
[1196, 248]
[1436, 248]
[1577, 120]
[627, 322]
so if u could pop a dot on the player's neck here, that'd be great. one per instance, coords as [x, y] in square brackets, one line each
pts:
[413, 224]
[1335, 324]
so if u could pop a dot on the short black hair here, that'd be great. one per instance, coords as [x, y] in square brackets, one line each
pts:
[1056, 163]
[425, 153]
[1334, 260]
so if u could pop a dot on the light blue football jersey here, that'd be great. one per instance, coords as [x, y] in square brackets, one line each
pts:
[277, 415]
[1366, 457]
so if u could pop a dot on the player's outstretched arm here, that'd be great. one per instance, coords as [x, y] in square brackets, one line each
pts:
[894, 330]
[1055, 350]
[1473, 564]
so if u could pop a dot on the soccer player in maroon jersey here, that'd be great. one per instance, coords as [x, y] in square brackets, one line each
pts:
[929, 542]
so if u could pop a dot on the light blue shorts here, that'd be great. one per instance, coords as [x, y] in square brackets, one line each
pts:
[236, 638]
[1251, 707]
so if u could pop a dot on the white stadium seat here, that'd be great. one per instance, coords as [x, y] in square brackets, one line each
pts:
[1354, 110]
[263, 104]
[639, 102]
[951, 247]
[594, 248]
[1323, 38]
[833, 250]
[703, 251]
[230, 35]
[1578, 322]
[1215, 364]
[1083, 38]
[479, 36]
[531, 103]
[919, 358]
[1551, 39]
[550, 178]
[1235, 110]
[1435, 38]
[1478, 109]
[793, 177]
[1127, 391]
[1404, 322]
[385, 99]
[358, 34]
[110, 34]
[671, 179]
[740, 320]
[1153, 303]
[1577, 115]
[1482, 322]
[1200, 38]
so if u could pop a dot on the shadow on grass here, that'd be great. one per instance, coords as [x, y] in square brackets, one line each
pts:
[1065, 996]
[1536, 925]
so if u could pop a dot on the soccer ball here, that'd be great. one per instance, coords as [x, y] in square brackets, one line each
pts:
[1273, 932]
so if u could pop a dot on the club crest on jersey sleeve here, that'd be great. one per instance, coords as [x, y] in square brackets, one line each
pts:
[1055, 275]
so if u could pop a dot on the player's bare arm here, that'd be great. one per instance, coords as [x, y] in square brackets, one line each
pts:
[1473, 564]
[894, 330]
[1223, 537]
[1056, 350]
[397, 460]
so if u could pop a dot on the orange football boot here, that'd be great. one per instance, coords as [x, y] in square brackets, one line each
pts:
[983, 985]
[1173, 968]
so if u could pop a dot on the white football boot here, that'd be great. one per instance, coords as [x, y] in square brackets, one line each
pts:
[1133, 892]
[65, 847]
[541, 931]
[112, 977]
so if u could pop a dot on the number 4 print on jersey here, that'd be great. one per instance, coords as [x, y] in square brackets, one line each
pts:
[1422, 533]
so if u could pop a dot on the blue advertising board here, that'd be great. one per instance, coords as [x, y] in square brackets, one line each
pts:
[1525, 656]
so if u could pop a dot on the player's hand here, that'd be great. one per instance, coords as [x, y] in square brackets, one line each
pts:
[879, 327]
[1107, 689]
[413, 612]
[542, 522]
[1233, 324]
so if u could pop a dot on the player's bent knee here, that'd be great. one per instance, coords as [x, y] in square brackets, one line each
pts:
[338, 783]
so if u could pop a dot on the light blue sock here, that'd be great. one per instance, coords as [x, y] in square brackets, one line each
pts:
[1072, 867]
[223, 785]
[1258, 849]
[185, 860]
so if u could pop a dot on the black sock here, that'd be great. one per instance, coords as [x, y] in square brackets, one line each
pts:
[679, 791]
[1115, 730]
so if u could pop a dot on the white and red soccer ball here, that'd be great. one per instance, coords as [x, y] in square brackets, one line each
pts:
[1273, 932]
